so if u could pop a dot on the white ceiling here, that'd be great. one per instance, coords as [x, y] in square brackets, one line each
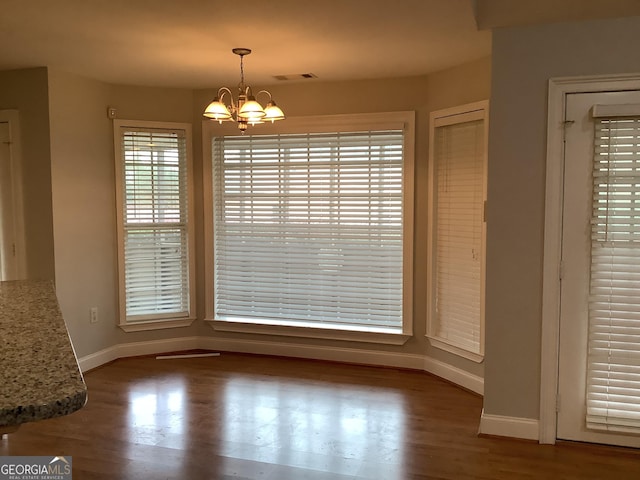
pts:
[187, 43]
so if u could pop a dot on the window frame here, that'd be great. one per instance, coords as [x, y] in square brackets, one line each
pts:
[161, 321]
[318, 124]
[451, 116]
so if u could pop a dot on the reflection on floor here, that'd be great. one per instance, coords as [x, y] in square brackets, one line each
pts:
[250, 417]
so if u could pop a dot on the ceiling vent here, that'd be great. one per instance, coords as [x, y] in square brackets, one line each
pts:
[296, 76]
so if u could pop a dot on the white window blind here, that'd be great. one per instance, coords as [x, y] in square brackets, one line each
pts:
[155, 228]
[613, 371]
[457, 229]
[308, 229]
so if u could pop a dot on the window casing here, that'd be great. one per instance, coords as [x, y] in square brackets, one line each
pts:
[457, 230]
[155, 240]
[309, 228]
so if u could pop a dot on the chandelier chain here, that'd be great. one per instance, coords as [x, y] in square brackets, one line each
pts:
[242, 71]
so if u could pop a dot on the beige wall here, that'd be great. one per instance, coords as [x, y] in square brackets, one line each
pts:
[83, 184]
[84, 199]
[523, 61]
[26, 91]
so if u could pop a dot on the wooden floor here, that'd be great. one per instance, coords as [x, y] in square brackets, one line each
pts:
[250, 417]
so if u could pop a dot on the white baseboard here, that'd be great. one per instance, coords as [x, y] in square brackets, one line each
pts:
[137, 348]
[454, 375]
[515, 427]
[315, 352]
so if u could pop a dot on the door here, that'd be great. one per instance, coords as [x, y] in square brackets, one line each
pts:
[7, 230]
[580, 272]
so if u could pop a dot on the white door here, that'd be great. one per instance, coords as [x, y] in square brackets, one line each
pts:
[7, 231]
[577, 289]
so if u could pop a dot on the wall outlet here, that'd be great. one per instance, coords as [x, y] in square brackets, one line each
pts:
[93, 315]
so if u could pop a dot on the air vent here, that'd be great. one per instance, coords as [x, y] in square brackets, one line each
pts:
[296, 76]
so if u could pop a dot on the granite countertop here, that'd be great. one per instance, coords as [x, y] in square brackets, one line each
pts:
[39, 373]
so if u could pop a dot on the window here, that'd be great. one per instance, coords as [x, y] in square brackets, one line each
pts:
[310, 228]
[613, 362]
[155, 249]
[455, 315]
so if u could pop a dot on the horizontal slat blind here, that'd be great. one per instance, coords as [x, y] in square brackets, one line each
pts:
[308, 228]
[613, 373]
[459, 200]
[155, 224]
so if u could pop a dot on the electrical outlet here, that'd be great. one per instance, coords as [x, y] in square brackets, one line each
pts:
[93, 315]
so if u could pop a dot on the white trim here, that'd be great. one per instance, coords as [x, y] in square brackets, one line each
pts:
[134, 349]
[558, 90]
[461, 352]
[502, 426]
[315, 123]
[207, 208]
[408, 217]
[313, 352]
[118, 125]
[454, 375]
[338, 332]
[156, 324]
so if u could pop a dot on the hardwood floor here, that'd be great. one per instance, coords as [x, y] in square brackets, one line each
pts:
[251, 417]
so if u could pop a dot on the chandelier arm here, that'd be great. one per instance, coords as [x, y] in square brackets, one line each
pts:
[222, 91]
[267, 92]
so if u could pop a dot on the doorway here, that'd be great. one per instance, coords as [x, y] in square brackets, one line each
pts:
[599, 350]
[12, 265]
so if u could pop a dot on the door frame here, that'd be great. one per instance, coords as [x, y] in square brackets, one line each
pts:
[559, 88]
[15, 185]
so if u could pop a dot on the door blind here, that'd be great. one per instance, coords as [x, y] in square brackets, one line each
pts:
[613, 371]
[155, 224]
[308, 228]
[458, 229]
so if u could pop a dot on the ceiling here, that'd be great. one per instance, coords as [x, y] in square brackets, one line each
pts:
[187, 43]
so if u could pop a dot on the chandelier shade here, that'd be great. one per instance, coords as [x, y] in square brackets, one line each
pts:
[217, 110]
[273, 112]
[251, 110]
[245, 109]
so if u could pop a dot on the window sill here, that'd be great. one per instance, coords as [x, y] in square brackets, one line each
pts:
[438, 343]
[381, 335]
[156, 324]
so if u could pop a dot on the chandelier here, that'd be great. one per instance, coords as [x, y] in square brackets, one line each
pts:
[245, 110]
